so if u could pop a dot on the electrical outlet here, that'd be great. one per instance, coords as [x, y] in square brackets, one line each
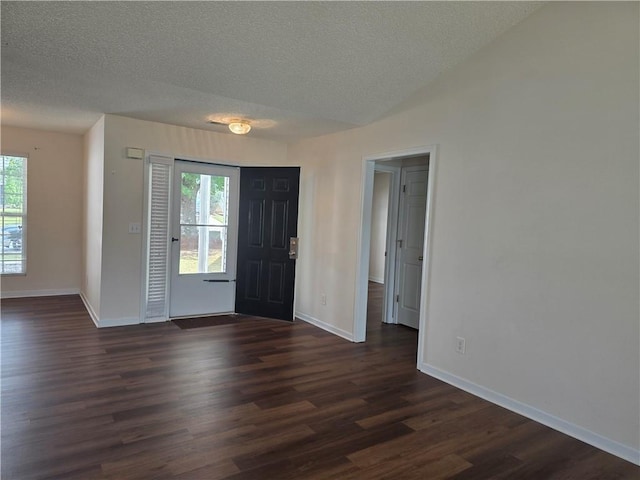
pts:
[460, 345]
[323, 299]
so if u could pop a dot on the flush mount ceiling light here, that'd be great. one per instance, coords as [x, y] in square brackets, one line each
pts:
[236, 125]
[239, 127]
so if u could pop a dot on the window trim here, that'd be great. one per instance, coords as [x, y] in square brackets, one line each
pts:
[23, 216]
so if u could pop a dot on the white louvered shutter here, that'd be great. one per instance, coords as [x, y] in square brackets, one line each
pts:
[158, 238]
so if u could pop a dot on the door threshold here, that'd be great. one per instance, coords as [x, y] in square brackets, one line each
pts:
[217, 314]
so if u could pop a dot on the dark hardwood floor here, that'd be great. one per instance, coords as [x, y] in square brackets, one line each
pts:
[254, 400]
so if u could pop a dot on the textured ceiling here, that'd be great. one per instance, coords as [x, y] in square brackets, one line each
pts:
[296, 69]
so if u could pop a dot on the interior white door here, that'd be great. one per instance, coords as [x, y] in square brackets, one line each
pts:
[410, 241]
[204, 239]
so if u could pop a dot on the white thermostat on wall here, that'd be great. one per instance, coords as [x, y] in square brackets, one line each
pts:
[137, 153]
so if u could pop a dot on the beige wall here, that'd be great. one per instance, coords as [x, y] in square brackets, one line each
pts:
[93, 184]
[535, 248]
[380, 209]
[123, 196]
[54, 203]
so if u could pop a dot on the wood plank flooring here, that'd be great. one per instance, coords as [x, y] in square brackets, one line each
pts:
[255, 400]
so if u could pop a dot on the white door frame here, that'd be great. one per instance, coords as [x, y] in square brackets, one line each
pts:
[388, 305]
[364, 241]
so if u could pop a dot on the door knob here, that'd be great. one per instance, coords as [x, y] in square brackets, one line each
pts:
[420, 258]
[174, 239]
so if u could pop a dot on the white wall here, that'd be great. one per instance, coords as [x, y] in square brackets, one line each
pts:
[380, 209]
[54, 202]
[123, 196]
[92, 212]
[535, 245]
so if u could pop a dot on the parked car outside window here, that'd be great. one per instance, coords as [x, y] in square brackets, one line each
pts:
[12, 237]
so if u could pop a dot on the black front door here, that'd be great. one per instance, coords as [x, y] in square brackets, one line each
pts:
[268, 219]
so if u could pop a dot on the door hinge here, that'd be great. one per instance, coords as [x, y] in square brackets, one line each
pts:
[404, 189]
[397, 298]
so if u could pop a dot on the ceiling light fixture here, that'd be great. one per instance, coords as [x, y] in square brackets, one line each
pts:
[239, 127]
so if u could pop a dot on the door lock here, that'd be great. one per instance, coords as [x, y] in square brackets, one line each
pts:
[293, 248]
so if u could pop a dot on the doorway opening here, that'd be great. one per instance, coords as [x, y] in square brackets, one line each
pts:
[406, 235]
[218, 239]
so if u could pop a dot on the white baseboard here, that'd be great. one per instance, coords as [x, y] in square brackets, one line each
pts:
[376, 279]
[611, 446]
[325, 326]
[107, 322]
[39, 293]
[118, 322]
[90, 310]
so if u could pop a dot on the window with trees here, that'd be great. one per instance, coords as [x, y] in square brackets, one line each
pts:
[13, 214]
[204, 223]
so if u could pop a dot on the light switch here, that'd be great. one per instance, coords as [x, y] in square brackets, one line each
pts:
[135, 227]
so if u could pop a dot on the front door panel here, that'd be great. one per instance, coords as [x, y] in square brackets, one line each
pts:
[204, 239]
[268, 220]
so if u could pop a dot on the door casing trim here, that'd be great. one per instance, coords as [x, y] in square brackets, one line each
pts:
[388, 305]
